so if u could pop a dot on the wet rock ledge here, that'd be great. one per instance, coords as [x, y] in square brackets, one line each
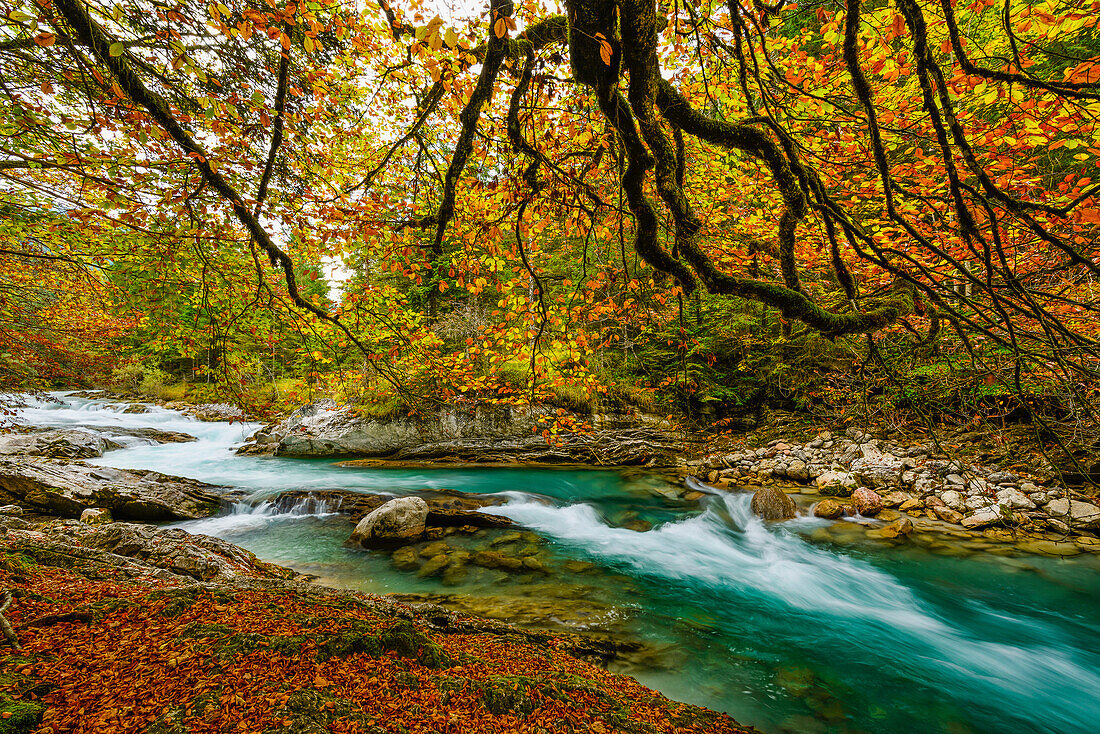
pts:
[67, 488]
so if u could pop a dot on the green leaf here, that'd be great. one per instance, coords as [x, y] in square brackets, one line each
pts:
[116, 49]
[19, 16]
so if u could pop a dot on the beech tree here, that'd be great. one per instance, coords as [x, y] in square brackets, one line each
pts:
[852, 166]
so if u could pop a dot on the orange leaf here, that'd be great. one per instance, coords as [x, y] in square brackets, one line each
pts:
[500, 28]
[1091, 216]
[605, 52]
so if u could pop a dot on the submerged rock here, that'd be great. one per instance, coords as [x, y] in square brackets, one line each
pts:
[406, 558]
[398, 522]
[67, 489]
[901, 526]
[495, 559]
[771, 504]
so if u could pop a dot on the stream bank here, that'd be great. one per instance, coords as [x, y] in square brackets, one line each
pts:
[177, 647]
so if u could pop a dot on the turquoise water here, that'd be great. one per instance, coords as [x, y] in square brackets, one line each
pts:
[784, 633]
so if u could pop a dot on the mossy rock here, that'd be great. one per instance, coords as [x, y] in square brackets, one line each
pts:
[309, 711]
[508, 694]
[180, 600]
[401, 637]
[16, 562]
[407, 641]
[22, 716]
[171, 722]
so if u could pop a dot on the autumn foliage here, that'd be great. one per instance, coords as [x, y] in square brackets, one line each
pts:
[534, 203]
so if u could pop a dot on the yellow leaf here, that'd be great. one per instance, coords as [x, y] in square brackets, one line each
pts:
[500, 28]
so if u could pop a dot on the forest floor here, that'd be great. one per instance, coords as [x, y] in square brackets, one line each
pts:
[107, 650]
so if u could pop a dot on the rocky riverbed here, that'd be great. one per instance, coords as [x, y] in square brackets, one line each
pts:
[913, 488]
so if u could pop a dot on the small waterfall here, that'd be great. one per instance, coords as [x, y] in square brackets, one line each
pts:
[307, 506]
[247, 517]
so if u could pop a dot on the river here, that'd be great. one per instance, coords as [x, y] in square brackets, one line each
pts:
[782, 626]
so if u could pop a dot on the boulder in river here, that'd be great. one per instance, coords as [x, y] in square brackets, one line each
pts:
[67, 489]
[770, 503]
[398, 522]
[445, 517]
[63, 443]
[146, 434]
[216, 412]
[828, 509]
[867, 501]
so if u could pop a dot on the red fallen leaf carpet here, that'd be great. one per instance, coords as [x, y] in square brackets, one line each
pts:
[105, 652]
